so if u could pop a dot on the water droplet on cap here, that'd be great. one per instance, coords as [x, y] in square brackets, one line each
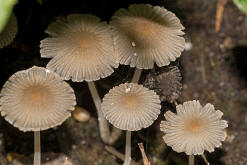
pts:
[133, 44]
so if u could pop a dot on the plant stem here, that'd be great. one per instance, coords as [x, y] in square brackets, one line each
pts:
[205, 159]
[127, 159]
[191, 160]
[37, 155]
[119, 155]
[104, 129]
[136, 76]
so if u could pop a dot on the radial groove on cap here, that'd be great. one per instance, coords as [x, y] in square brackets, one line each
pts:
[81, 48]
[194, 128]
[9, 32]
[144, 34]
[131, 106]
[36, 99]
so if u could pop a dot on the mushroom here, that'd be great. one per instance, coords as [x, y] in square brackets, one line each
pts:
[81, 48]
[144, 35]
[9, 32]
[36, 99]
[130, 107]
[166, 83]
[81, 114]
[194, 129]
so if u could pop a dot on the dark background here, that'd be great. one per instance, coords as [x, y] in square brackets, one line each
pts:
[213, 71]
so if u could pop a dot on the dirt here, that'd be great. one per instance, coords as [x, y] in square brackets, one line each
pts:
[213, 70]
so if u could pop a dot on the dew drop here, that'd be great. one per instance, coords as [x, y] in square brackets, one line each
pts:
[133, 44]
[128, 88]
[47, 71]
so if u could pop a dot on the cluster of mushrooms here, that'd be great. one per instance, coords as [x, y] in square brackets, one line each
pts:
[82, 48]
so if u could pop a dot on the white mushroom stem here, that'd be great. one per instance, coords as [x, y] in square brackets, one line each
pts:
[136, 76]
[127, 159]
[191, 160]
[104, 129]
[37, 155]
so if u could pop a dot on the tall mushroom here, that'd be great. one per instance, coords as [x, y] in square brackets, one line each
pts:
[130, 107]
[81, 48]
[144, 35]
[36, 99]
[194, 129]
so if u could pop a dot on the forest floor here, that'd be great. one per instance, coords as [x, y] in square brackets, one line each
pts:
[213, 70]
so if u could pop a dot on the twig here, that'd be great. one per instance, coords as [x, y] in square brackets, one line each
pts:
[219, 14]
[144, 157]
[205, 159]
[119, 155]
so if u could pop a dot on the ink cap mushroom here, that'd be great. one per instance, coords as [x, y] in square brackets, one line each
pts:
[145, 34]
[81, 48]
[36, 99]
[130, 107]
[194, 129]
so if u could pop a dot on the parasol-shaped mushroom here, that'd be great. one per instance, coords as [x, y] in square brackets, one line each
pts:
[194, 129]
[36, 99]
[130, 107]
[144, 35]
[81, 48]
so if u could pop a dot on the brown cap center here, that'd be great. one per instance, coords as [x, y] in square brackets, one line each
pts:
[194, 125]
[85, 41]
[144, 28]
[36, 94]
[130, 101]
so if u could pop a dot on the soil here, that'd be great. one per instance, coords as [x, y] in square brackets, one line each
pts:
[213, 70]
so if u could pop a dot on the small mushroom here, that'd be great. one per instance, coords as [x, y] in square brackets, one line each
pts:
[144, 35]
[80, 114]
[194, 129]
[36, 99]
[130, 107]
[81, 48]
[166, 83]
[9, 32]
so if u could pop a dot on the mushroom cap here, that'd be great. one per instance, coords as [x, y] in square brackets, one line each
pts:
[194, 128]
[131, 106]
[81, 48]
[145, 34]
[166, 83]
[9, 32]
[36, 99]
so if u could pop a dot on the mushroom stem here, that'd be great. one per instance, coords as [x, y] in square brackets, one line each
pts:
[37, 156]
[104, 129]
[191, 160]
[127, 159]
[136, 75]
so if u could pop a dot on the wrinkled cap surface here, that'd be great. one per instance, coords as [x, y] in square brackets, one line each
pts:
[194, 128]
[36, 99]
[131, 106]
